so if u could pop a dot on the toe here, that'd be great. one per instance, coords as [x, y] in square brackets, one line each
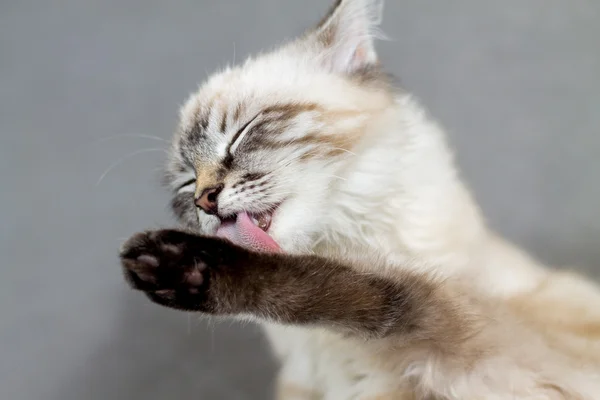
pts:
[194, 277]
[148, 260]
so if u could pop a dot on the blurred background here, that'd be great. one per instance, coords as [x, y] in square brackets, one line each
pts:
[89, 92]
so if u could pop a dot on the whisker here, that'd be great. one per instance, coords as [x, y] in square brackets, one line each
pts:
[337, 177]
[346, 150]
[286, 163]
[123, 159]
[131, 135]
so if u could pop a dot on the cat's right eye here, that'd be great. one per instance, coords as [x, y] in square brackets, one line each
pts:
[239, 136]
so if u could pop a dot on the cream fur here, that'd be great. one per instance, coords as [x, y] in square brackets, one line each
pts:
[397, 195]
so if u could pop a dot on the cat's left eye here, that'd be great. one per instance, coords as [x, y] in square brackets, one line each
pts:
[188, 183]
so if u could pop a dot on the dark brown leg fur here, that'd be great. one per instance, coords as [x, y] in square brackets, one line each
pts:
[211, 275]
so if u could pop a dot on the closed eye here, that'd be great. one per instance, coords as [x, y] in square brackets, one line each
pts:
[185, 184]
[239, 136]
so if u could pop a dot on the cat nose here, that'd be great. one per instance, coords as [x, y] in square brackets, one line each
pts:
[207, 200]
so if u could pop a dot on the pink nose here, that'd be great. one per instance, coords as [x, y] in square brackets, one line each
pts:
[207, 200]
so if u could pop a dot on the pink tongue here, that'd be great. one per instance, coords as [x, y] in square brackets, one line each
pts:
[243, 232]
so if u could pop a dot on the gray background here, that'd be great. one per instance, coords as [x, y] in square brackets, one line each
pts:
[515, 82]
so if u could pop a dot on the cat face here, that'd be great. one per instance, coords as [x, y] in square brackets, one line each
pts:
[259, 146]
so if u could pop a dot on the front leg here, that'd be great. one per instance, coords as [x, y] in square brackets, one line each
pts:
[212, 275]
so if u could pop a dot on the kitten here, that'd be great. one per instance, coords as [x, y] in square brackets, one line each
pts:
[324, 202]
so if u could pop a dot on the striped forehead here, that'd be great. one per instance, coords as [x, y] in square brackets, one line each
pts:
[215, 124]
[308, 129]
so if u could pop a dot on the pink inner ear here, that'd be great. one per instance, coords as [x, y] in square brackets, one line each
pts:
[360, 54]
[359, 57]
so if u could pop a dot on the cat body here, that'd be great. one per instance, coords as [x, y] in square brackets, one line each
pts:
[352, 238]
[433, 223]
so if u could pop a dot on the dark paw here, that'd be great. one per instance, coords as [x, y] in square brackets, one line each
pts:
[171, 267]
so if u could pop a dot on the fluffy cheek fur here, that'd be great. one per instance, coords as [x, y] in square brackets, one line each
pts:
[297, 222]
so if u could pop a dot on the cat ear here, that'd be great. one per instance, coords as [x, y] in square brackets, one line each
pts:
[344, 39]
